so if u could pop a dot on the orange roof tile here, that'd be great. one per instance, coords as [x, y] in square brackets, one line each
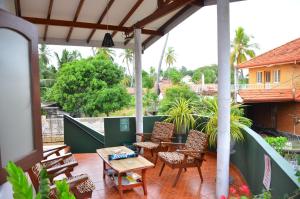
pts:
[287, 53]
[267, 95]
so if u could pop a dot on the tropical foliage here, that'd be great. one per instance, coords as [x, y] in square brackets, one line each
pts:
[181, 113]
[174, 93]
[127, 58]
[170, 57]
[150, 101]
[67, 56]
[242, 50]
[210, 74]
[148, 79]
[108, 53]
[90, 87]
[47, 71]
[174, 75]
[22, 189]
[208, 109]
[277, 143]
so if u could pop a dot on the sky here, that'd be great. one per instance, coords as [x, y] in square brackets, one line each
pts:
[271, 23]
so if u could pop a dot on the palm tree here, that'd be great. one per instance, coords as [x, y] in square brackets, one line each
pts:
[208, 110]
[67, 56]
[170, 57]
[159, 65]
[242, 49]
[44, 54]
[127, 57]
[107, 52]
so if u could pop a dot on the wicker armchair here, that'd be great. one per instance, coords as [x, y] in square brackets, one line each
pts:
[189, 154]
[162, 132]
[80, 185]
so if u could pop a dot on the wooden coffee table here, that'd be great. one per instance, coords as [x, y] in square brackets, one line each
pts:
[118, 169]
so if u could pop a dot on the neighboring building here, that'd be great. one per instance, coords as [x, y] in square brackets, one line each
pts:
[273, 91]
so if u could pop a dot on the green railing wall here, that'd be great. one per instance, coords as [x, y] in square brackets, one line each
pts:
[115, 137]
[81, 138]
[249, 158]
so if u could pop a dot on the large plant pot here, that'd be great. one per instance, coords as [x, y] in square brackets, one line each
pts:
[232, 145]
[179, 138]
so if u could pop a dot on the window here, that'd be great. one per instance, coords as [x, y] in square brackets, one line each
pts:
[277, 76]
[259, 77]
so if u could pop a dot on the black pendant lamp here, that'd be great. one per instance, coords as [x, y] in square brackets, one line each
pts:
[107, 40]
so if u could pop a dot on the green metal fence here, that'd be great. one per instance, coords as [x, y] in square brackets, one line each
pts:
[81, 138]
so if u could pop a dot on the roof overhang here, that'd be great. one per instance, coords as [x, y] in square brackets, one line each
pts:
[84, 22]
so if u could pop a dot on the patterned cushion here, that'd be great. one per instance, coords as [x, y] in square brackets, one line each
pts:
[147, 145]
[174, 157]
[197, 141]
[162, 130]
[85, 186]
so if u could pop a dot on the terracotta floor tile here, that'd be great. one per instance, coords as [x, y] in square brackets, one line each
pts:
[189, 185]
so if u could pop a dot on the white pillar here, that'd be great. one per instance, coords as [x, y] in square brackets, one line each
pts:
[223, 144]
[138, 80]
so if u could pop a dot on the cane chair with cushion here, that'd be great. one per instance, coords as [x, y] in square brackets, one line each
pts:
[81, 186]
[162, 132]
[189, 154]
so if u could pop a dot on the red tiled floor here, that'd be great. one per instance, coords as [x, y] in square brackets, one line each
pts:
[189, 185]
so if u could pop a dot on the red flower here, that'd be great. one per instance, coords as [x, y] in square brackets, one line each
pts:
[245, 190]
[232, 190]
[223, 197]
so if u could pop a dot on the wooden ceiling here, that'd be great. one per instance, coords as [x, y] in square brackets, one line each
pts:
[84, 22]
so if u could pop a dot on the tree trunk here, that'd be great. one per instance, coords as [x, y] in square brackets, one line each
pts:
[159, 65]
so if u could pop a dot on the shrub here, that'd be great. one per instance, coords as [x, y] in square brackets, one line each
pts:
[277, 143]
[174, 93]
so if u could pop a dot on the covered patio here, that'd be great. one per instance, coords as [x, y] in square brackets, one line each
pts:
[137, 24]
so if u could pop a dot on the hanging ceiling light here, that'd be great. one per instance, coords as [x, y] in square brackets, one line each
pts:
[107, 40]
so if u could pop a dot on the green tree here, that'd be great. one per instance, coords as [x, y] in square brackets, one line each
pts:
[84, 87]
[148, 79]
[67, 56]
[184, 71]
[107, 52]
[127, 57]
[210, 74]
[46, 71]
[170, 57]
[175, 93]
[107, 100]
[174, 75]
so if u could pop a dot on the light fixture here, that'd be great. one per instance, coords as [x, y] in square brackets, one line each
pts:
[107, 40]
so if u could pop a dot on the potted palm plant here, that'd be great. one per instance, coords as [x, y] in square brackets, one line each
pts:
[208, 111]
[181, 113]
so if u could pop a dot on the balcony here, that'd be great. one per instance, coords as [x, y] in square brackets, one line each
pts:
[247, 163]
